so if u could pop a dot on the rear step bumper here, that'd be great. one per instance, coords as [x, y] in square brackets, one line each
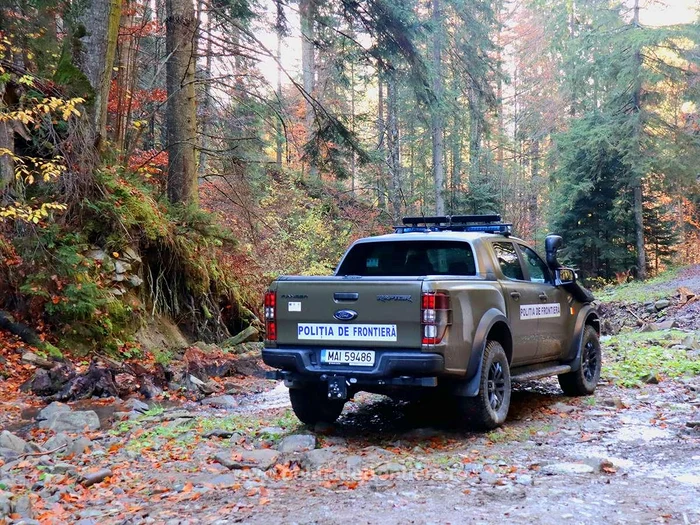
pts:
[388, 364]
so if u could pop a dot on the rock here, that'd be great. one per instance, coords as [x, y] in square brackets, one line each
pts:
[297, 443]
[76, 421]
[96, 477]
[249, 334]
[650, 308]
[271, 432]
[22, 505]
[692, 424]
[96, 254]
[666, 325]
[389, 468]
[652, 378]
[318, 458]
[490, 478]
[690, 342]
[8, 454]
[218, 433]
[34, 359]
[148, 389]
[129, 254]
[5, 505]
[121, 267]
[225, 401]
[126, 384]
[661, 304]
[9, 440]
[615, 402]
[196, 381]
[563, 408]
[54, 408]
[567, 468]
[80, 446]
[136, 405]
[63, 468]
[239, 458]
[134, 281]
[524, 479]
[61, 439]
[353, 463]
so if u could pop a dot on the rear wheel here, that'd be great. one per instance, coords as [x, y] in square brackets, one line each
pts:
[489, 408]
[583, 381]
[311, 405]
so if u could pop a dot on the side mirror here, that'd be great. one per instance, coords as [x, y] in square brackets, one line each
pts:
[564, 276]
[552, 243]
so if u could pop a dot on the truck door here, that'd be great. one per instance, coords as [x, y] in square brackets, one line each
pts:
[551, 307]
[518, 292]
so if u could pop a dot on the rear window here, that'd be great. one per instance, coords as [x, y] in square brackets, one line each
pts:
[402, 258]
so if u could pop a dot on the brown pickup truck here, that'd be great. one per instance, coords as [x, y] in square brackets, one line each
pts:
[449, 305]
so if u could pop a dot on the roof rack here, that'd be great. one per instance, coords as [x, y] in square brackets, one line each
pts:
[455, 223]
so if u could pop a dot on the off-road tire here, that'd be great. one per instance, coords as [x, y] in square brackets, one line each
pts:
[583, 381]
[489, 408]
[311, 405]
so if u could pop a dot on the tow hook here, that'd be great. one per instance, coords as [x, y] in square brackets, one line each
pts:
[337, 388]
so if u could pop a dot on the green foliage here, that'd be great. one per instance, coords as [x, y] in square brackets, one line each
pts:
[632, 357]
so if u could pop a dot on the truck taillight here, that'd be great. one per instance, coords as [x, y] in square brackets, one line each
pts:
[271, 316]
[435, 316]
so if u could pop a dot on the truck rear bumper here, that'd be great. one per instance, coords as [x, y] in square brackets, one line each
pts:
[388, 364]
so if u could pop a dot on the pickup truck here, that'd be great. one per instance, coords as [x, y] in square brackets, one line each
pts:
[450, 305]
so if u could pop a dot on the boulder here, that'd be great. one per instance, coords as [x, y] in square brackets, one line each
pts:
[12, 442]
[49, 410]
[661, 304]
[74, 421]
[136, 405]
[80, 446]
[297, 443]
[8, 454]
[61, 439]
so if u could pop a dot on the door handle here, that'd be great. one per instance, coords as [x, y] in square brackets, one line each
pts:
[543, 296]
[515, 295]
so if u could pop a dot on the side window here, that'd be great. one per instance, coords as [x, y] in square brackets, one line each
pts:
[508, 260]
[539, 273]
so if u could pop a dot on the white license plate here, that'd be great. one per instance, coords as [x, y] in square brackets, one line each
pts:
[348, 357]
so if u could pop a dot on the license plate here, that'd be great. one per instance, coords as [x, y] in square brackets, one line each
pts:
[348, 357]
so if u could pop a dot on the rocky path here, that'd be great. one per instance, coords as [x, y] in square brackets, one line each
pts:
[623, 456]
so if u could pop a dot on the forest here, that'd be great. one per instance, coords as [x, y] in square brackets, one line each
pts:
[170, 158]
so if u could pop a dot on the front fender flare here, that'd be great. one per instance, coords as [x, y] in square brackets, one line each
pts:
[469, 387]
[588, 312]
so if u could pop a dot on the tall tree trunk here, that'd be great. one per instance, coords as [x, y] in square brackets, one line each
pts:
[206, 102]
[307, 10]
[7, 142]
[352, 123]
[637, 175]
[181, 26]
[474, 139]
[381, 132]
[437, 127]
[96, 57]
[393, 147]
[279, 137]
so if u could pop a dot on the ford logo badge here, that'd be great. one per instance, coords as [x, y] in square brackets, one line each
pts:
[345, 315]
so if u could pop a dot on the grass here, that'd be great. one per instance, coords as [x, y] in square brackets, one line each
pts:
[640, 291]
[517, 433]
[630, 357]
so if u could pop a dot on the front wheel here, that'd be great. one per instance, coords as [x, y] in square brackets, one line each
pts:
[311, 405]
[489, 408]
[583, 381]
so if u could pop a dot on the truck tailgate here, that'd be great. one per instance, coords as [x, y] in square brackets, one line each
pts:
[347, 313]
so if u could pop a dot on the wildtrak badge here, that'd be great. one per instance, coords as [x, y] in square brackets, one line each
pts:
[397, 298]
